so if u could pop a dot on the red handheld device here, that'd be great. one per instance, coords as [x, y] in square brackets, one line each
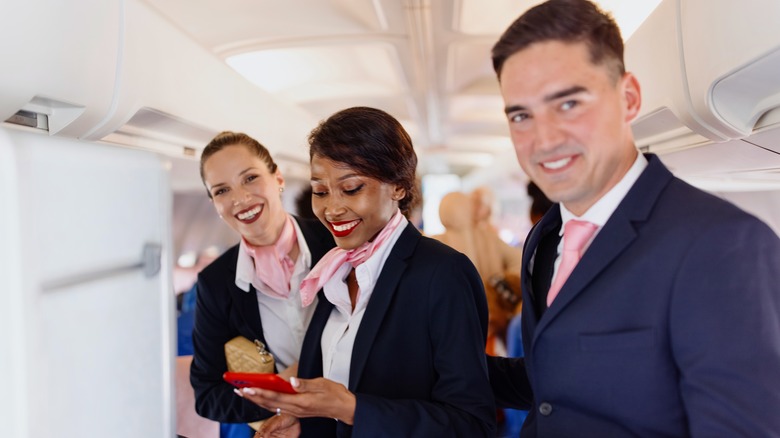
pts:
[257, 380]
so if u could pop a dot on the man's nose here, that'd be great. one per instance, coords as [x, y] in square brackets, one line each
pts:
[547, 132]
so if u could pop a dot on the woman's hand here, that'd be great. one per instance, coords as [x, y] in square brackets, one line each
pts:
[290, 371]
[280, 426]
[318, 397]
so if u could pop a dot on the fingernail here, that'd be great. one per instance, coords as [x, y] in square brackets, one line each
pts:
[249, 391]
[238, 393]
[294, 382]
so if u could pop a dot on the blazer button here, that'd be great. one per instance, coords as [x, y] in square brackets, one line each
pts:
[545, 409]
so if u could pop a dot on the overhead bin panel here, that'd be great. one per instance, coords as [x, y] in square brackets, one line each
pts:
[60, 60]
[732, 61]
[653, 55]
[167, 80]
[714, 66]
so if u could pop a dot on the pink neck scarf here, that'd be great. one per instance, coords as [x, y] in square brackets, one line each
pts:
[336, 257]
[272, 262]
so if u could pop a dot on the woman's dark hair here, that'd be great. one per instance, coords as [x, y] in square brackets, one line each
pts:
[540, 203]
[568, 21]
[374, 144]
[303, 204]
[229, 138]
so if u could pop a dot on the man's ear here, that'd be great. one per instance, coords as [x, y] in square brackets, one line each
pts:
[632, 94]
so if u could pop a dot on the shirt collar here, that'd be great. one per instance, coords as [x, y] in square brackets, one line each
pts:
[600, 212]
[366, 274]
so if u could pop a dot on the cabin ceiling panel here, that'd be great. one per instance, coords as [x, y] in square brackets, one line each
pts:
[312, 72]
[400, 108]
[469, 66]
[484, 109]
[222, 25]
[474, 17]
[427, 62]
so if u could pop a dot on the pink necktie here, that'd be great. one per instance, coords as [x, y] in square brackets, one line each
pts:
[333, 259]
[575, 235]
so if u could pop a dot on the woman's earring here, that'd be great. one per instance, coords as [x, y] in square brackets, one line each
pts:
[281, 189]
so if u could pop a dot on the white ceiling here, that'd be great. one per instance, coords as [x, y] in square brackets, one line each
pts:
[427, 62]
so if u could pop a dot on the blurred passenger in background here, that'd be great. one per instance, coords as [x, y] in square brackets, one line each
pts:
[493, 255]
[514, 418]
[455, 214]
[540, 203]
[504, 302]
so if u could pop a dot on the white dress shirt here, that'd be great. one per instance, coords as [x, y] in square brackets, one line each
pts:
[600, 212]
[284, 320]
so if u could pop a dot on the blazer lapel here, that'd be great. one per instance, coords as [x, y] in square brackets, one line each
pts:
[246, 301]
[250, 310]
[616, 235]
[381, 297]
[310, 362]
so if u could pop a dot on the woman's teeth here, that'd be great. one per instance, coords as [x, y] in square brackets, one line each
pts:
[345, 227]
[249, 214]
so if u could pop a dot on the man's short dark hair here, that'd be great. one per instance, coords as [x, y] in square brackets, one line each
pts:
[569, 21]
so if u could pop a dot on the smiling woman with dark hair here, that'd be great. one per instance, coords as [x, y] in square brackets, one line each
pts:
[396, 345]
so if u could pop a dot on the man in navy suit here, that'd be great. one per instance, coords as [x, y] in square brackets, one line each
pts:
[669, 323]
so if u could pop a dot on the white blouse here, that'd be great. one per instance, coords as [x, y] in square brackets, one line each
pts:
[284, 320]
[338, 337]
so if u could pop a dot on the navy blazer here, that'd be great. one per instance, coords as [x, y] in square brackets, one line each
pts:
[669, 326]
[418, 367]
[222, 312]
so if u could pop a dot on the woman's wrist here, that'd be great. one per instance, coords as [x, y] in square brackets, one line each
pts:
[347, 409]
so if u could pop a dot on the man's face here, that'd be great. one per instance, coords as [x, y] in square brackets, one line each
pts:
[569, 121]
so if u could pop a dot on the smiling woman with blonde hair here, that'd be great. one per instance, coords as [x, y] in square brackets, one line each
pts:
[252, 290]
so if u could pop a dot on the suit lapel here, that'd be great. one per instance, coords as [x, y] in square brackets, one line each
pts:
[381, 298]
[616, 235]
[550, 223]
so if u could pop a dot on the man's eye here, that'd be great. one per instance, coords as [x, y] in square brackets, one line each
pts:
[518, 117]
[569, 104]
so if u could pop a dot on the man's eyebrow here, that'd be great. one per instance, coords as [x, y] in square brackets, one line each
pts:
[564, 93]
[549, 98]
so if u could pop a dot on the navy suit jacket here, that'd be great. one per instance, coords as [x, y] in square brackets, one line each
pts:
[418, 367]
[669, 326]
[222, 312]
